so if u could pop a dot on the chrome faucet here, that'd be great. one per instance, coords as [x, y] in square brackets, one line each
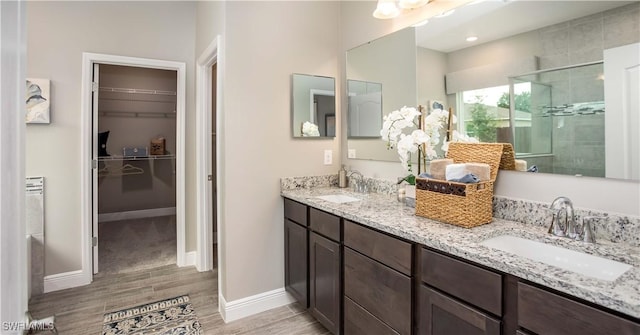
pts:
[562, 208]
[358, 184]
[559, 206]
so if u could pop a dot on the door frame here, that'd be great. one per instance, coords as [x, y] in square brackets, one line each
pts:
[14, 272]
[204, 191]
[89, 212]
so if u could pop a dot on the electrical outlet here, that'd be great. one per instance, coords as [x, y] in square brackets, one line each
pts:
[351, 153]
[328, 157]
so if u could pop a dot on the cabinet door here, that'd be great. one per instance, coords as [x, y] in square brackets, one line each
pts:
[296, 261]
[380, 290]
[442, 315]
[324, 274]
[358, 321]
[544, 312]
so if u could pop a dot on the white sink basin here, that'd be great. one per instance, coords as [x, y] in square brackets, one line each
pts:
[337, 198]
[588, 265]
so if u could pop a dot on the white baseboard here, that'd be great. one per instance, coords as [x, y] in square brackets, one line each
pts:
[190, 258]
[241, 308]
[139, 214]
[65, 280]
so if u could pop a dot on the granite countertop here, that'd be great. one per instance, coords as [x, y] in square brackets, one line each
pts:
[383, 212]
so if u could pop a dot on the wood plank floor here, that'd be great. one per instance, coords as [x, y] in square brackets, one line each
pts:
[80, 310]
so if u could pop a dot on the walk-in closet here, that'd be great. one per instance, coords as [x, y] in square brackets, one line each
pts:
[135, 121]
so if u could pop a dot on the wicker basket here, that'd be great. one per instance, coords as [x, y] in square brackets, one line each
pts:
[466, 205]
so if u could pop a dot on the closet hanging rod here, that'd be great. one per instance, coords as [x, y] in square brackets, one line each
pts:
[138, 114]
[135, 158]
[135, 90]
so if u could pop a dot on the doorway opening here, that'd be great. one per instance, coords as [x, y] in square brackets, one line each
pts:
[121, 178]
[135, 115]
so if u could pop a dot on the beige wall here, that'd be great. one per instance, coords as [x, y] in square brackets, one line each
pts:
[58, 33]
[263, 44]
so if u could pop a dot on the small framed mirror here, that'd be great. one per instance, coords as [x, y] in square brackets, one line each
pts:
[313, 106]
[365, 109]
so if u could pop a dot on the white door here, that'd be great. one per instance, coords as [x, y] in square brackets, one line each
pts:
[365, 115]
[622, 111]
[94, 157]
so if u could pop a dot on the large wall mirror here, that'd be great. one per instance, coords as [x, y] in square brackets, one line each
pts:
[313, 106]
[364, 109]
[547, 76]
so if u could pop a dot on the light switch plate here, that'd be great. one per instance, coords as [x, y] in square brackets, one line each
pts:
[351, 153]
[328, 157]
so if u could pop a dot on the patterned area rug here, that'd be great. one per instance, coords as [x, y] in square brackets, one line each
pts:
[167, 317]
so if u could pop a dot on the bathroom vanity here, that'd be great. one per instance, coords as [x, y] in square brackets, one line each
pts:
[372, 267]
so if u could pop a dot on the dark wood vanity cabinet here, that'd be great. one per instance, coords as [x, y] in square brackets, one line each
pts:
[356, 280]
[458, 298]
[325, 268]
[544, 312]
[377, 282]
[296, 242]
[443, 315]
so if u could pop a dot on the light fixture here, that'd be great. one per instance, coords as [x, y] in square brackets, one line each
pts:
[411, 4]
[386, 9]
[472, 38]
[420, 24]
[445, 14]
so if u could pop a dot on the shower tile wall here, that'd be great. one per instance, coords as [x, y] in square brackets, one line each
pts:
[578, 141]
[583, 40]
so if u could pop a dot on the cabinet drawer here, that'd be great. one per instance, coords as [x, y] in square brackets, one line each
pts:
[383, 248]
[324, 223]
[544, 312]
[295, 211]
[382, 291]
[467, 282]
[357, 321]
[442, 315]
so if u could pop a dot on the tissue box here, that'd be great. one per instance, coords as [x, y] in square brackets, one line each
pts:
[466, 205]
[158, 146]
[134, 152]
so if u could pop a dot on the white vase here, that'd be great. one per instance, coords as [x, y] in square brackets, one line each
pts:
[410, 191]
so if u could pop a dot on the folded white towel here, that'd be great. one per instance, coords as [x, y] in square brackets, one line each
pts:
[480, 170]
[521, 165]
[456, 171]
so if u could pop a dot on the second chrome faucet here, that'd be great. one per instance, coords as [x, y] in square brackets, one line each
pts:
[563, 222]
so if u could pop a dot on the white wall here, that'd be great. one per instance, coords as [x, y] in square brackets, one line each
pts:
[58, 33]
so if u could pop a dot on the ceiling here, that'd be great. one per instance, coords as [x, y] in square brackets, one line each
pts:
[495, 19]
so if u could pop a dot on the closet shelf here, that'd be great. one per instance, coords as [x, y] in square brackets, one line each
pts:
[136, 91]
[135, 158]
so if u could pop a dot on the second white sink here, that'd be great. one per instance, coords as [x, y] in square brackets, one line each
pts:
[337, 198]
[588, 265]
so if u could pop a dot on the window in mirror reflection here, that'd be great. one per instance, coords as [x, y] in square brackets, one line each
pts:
[365, 108]
[556, 121]
[484, 113]
[313, 106]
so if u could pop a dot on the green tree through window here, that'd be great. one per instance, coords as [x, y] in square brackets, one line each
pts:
[483, 124]
[522, 100]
